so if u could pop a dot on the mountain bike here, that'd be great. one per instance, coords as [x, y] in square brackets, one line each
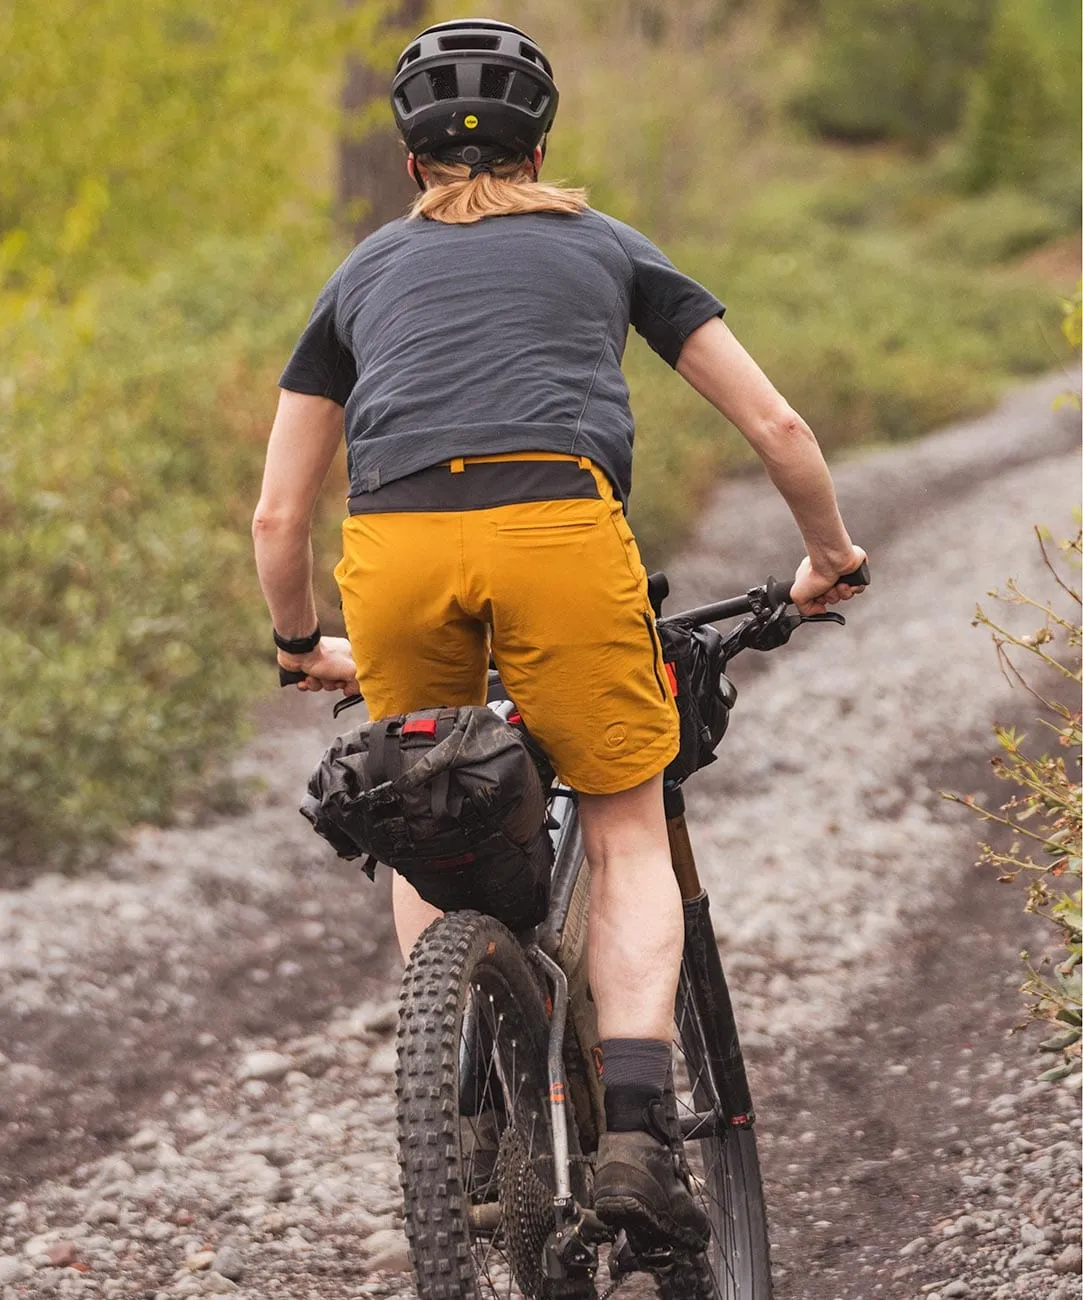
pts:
[500, 1097]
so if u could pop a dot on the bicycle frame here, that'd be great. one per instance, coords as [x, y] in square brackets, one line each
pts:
[701, 950]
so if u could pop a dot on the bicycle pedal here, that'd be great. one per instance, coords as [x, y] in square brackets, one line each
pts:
[642, 1258]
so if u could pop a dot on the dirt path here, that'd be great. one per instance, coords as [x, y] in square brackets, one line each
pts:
[196, 1053]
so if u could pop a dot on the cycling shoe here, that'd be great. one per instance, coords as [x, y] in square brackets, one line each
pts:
[637, 1187]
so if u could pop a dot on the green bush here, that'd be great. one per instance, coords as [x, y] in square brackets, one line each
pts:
[134, 433]
[893, 69]
[1045, 817]
[1024, 116]
[995, 227]
[125, 128]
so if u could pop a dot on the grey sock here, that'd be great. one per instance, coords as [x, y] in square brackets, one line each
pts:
[634, 1071]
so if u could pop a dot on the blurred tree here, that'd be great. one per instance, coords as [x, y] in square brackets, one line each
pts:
[372, 183]
[894, 69]
[126, 127]
[1024, 120]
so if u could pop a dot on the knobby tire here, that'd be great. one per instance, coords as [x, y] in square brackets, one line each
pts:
[472, 1094]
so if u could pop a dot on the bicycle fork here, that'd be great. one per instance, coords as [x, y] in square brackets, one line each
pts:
[703, 965]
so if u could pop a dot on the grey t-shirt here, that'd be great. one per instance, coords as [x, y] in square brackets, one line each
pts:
[507, 335]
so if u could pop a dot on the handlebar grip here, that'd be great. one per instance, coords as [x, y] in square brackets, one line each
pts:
[859, 578]
[287, 677]
[778, 593]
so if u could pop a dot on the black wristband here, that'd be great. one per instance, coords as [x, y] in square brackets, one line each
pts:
[299, 645]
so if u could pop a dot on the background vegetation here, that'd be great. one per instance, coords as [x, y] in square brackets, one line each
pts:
[1045, 814]
[884, 191]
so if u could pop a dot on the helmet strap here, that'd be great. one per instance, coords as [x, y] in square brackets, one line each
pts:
[415, 171]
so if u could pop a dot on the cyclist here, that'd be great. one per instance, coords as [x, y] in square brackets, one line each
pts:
[476, 346]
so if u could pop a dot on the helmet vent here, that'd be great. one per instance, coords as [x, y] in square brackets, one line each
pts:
[471, 42]
[408, 56]
[444, 82]
[494, 82]
[528, 93]
[535, 55]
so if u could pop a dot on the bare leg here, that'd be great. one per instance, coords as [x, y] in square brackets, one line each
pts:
[412, 914]
[636, 921]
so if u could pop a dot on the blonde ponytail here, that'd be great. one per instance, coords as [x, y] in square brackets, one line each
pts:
[508, 190]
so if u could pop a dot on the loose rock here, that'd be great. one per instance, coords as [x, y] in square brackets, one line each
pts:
[264, 1067]
[230, 1263]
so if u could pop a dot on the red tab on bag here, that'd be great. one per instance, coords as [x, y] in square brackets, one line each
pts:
[419, 727]
[671, 673]
[463, 860]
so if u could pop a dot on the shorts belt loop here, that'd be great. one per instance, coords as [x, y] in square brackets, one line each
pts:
[458, 465]
[584, 462]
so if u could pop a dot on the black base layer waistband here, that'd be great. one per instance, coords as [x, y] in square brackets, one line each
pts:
[479, 486]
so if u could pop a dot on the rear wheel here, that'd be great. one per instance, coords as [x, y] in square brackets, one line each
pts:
[474, 1137]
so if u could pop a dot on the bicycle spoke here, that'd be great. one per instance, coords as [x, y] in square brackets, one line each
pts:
[695, 1094]
[489, 1055]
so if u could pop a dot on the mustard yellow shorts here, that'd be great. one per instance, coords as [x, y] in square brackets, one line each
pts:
[554, 588]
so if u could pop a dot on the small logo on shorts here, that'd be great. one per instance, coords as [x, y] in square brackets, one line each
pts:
[615, 736]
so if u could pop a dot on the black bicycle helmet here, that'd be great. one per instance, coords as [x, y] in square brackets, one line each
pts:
[473, 82]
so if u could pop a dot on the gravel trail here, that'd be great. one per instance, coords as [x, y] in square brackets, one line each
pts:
[195, 1079]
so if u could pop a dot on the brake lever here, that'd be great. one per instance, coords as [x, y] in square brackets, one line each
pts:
[768, 634]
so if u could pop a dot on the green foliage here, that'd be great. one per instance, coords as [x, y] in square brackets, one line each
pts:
[1071, 324]
[1045, 817]
[893, 69]
[1024, 117]
[125, 127]
[132, 447]
[995, 226]
[869, 336]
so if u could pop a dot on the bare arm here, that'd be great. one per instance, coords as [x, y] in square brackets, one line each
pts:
[304, 438]
[720, 369]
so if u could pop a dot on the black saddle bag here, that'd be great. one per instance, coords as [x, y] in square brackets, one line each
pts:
[695, 661]
[451, 799]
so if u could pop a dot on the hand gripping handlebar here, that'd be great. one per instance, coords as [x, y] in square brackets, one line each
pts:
[773, 595]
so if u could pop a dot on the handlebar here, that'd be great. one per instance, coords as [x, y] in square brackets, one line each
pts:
[767, 598]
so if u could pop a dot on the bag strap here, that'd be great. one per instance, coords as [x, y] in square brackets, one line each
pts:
[441, 786]
[385, 760]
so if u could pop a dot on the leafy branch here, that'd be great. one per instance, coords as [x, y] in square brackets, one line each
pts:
[1045, 816]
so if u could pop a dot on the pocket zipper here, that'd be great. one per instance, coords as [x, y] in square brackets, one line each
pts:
[657, 654]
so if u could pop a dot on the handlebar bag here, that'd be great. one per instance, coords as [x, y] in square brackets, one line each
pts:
[694, 659]
[449, 798]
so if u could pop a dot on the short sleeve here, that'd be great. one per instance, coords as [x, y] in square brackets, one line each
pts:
[321, 364]
[667, 305]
